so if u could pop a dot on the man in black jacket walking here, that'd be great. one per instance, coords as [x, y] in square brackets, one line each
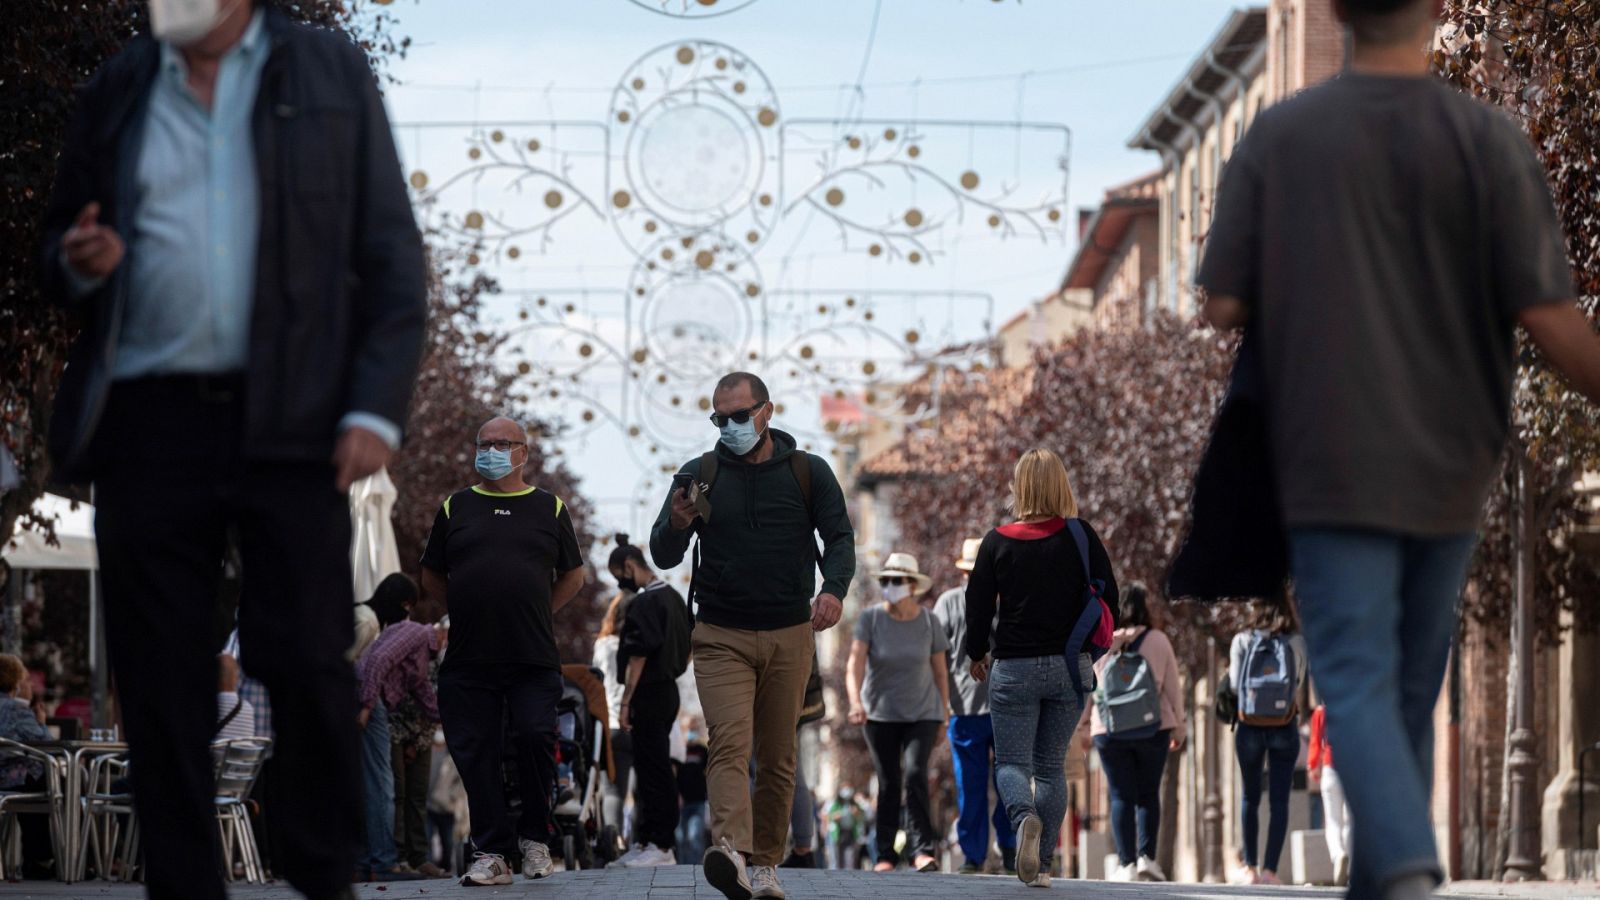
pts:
[754, 643]
[230, 225]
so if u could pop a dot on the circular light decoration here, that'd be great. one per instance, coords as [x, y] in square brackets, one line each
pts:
[419, 179]
[696, 319]
[693, 9]
[969, 179]
[696, 122]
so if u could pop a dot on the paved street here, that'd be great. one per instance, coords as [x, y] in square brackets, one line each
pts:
[685, 883]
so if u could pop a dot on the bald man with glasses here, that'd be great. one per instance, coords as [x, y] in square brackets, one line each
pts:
[503, 558]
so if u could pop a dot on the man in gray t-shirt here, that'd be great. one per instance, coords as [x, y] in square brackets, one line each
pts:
[1383, 235]
[971, 733]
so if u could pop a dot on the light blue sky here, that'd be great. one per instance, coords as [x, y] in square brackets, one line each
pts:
[1101, 68]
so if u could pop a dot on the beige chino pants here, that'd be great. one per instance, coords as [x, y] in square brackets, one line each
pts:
[752, 688]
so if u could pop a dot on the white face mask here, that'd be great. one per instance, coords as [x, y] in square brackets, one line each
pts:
[894, 593]
[182, 22]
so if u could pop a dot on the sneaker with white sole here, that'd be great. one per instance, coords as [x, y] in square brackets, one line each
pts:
[1148, 869]
[536, 861]
[724, 870]
[1123, 873]
[487, 869]
[765, 881]
[1028, 848]
[651, 855]
[1042, 881]
[622, 861]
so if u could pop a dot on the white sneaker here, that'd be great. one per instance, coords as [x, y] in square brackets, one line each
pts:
[487, 869]
[724, 870]
[651, 855]
[1028, 834]
[536, 861]
[1042, 881]
[1148, 869]
[765, 880]
[1122, 873]
[622, 861]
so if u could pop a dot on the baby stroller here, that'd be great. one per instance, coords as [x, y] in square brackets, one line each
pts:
[583, 755]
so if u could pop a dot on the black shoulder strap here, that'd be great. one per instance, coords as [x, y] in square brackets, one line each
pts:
[708, 469]
[226, 720]
[1134, 647]
[800, 465]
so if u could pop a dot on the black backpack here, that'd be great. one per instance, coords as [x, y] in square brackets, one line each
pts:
[800, 466]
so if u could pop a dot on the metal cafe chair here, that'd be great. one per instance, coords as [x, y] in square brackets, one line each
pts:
[48, 802]
[238, 765]
[108, 829]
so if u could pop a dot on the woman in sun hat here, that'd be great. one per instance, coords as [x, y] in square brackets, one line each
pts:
[900, 692]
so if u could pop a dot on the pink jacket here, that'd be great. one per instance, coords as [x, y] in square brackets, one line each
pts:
[1158, 651]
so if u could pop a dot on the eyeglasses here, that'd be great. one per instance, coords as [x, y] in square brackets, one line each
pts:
[892, 580]
[738, 417]
[502, 446]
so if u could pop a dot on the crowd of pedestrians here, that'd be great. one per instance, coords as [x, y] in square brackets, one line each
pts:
[205, 402]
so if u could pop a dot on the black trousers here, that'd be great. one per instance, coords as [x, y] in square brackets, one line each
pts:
[173, 482]
[900, 752]
[473, 702]
[654, 709]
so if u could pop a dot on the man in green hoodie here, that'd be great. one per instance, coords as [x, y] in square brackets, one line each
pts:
[756, 617]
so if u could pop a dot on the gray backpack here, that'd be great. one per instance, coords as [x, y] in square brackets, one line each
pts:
[1128, 696]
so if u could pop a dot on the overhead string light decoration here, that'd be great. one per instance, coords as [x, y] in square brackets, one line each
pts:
[695, 169]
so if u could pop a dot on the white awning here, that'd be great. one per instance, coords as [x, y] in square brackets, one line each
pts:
[74, 524]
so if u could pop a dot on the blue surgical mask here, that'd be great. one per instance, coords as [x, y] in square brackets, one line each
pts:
[741, 439]
[494, 464]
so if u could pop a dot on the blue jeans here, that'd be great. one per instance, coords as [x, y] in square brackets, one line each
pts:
[971, 742]
[1035, 710]
[692, 825]
[378, 792]
[1276, 749]
[1134, 770]
[1379, 610]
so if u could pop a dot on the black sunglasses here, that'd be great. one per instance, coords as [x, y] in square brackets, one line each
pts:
[738, 417]
[892, 580]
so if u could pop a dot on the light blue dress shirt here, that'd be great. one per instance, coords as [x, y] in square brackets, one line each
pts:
[192, 253]
[196, 227]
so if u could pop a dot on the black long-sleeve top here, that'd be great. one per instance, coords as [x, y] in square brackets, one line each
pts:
[1032, 571]
[656, 628]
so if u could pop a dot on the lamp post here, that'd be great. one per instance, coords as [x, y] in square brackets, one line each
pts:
[1211, 851]
[1523, 857]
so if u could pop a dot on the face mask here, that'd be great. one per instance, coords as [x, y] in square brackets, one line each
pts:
[627, 583]
[182, 22]
[494, 464]
[894, 593]
[741, 439]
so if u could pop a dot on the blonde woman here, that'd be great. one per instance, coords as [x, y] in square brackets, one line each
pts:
[1032, 571]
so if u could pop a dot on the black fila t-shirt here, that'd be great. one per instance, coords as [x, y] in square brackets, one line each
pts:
[501, 554]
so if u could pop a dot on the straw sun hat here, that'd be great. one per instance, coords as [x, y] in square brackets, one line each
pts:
[904, 565]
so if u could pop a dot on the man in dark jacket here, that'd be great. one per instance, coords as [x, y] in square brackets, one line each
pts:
[230, 224]
[756, 617]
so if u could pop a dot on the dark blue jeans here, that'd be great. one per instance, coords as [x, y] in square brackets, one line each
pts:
[1134, 769]
[1379, 609]
[1276, 749]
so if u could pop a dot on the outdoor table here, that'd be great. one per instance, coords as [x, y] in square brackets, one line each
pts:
[73, 754]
